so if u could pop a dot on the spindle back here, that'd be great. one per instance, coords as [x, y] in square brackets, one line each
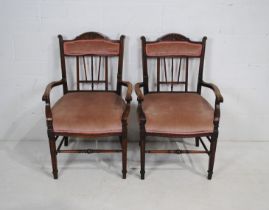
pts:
[171, 55]
[94, 57]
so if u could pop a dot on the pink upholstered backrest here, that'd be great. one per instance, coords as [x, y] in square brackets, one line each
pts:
[176, 59]
[100, 47]
[93, 61]
[173, 48]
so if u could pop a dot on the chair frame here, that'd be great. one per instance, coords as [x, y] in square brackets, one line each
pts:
[211, 137]
[53, 136]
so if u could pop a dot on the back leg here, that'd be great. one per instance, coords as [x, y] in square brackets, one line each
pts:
[66, 141]
[197, 141]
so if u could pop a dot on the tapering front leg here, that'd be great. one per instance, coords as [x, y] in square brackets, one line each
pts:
[142, 149]
[197, 141]
[53, 153]
[124, 158]
[123, 140]
[142, 153]
[213, 146]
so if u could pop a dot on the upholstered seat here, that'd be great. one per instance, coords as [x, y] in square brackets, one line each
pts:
[88, 113]
[184, 113]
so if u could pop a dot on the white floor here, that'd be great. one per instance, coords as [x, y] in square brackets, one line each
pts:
[240, 179]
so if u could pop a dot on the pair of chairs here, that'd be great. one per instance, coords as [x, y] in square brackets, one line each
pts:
[89, 108]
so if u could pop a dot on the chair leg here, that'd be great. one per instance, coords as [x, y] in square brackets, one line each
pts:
[120, 140]
[124, 157]
[197, 141]
[66, 141]
[53, 154]
[142, 153]
[213, 146]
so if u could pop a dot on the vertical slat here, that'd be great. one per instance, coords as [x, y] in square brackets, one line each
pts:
[179, 68]
[92, 71]
[186, 76]
[106, 73]
[85, 69]
[77, 62]
[158, 74]
[165, 73]
[172, 74]
[99, 68]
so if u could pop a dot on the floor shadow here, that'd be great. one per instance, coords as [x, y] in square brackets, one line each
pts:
[156, 162]
[35, 155]
[31, 153]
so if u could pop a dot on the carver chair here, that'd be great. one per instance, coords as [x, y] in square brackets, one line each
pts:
[89, 107]
[168, 108]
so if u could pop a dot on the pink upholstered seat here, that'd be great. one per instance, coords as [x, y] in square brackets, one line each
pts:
[88, 113]
[173, 113]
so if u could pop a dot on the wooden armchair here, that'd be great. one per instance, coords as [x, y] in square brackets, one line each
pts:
[89, 108]
[173, 110]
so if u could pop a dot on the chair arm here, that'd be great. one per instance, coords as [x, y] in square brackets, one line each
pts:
[129, 86]
[140, 96]
[219, 98]
[140, 99]
[46, 95]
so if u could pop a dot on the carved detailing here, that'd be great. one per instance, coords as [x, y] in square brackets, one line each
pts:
[173, 37]
[177, 151]
[89, 151]
[91, 35]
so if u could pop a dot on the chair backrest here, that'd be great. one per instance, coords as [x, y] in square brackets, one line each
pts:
[171, 55]
[91, 56]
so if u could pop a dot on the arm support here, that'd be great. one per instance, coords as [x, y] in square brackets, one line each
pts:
[46, 95]
[46, 98]
[129, 86]
[140, 96]
[140, 99]
[128, 99]
[219, 98]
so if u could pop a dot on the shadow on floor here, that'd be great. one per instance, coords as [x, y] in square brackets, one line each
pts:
[35, 155]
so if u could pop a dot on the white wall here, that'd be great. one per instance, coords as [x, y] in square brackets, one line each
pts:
[237, 57]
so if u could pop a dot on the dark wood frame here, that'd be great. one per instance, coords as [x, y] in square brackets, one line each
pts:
[211, 137]
[53, 136]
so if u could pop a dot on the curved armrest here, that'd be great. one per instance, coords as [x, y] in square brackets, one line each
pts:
[46, 98]
[219, 98]
[129, 86]
[46, 95]
[140, 96]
